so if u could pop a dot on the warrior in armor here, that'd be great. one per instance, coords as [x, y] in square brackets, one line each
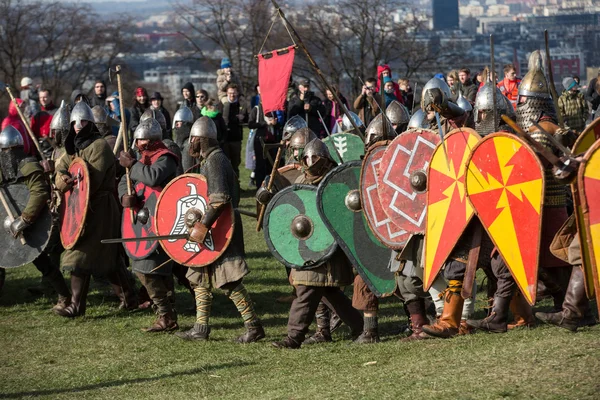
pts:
[17, 167]
[59, 129]
[323, 282]
[102, 221]
[418, 120]
[228, 271]
[182, 123]
[484, 110]
[104, 123]
[535, 104]
[162, 121]
[155, 168]
[398, 116]
[290, 127]
[467, 107]
[436, 99]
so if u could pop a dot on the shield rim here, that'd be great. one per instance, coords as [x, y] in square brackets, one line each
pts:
[595, 264]
[125, 217]
[229, 207]
[337, 237]
[44, 212]
[578, 143]
[387, 242]
[329, 253]
[538, 162]
[426, 284]
[390, 214]
[87, 204]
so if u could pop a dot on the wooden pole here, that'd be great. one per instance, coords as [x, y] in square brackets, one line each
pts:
[10, 213]
[26, 123]
[123, 132]
[274, 172]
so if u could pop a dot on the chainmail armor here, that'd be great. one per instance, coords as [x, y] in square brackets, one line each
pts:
[534, 108]
[221, 180]
[10, 161]
[555, 194]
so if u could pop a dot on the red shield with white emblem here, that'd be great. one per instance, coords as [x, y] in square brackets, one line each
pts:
[189, 193]
[402, 180]
[380, 223]
[73, 208]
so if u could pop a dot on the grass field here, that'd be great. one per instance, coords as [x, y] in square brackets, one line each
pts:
[105, 355]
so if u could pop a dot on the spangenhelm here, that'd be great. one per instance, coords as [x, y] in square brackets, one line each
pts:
[374, 132]
[534, 84]
[204, 127]
[463, 103]
[61, 118]
[147, 129]
[397, 113]
[184, 114]
[10, 137]
[81, 112]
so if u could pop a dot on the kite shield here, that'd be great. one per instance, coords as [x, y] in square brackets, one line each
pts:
[505, 186]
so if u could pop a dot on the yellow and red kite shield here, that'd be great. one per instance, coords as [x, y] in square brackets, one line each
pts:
[381, 225]
[505, 185]
[448, 211]
[589, 186]
[402, 179]
[189, 193]
[587, 138]
[73, 209]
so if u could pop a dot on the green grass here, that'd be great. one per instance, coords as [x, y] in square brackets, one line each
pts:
[105, 355]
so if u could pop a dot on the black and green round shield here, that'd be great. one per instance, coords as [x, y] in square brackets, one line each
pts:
[338, 202]
[294, 231]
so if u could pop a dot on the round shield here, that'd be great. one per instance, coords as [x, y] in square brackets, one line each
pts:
[143, 222]
[346, 145]
[12, 252]
[381, 225]
[402, 179]
[338, 202]
[590, 134]
[184, 193]
[505, 185]
[73, 208]
[448, 211]
[294, 231]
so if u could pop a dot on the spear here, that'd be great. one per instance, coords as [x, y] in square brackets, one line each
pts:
[561, 121]
[313, 63]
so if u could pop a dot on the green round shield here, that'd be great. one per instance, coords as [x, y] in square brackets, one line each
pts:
[346, 145]
[294, 231]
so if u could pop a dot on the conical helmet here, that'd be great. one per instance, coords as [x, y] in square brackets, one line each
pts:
[316, 148]
[417, 121]
[347, 125]
[293, 124]
[81, 112]
[437, 83]
[374, 131]
[204, 127]
[10, 137]
[463, 103]
[147, 129]
[485, 98]
[157, 115]
[184, 114]
[61, 118]
[301, 138]
[397, 113]
[534, 84]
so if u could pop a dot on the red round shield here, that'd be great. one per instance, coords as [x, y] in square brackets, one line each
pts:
[73, 208]
[137, 229]
[182, 194]
[406, 158]
[380, 223]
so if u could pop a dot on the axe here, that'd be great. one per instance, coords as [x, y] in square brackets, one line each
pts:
[10, 214]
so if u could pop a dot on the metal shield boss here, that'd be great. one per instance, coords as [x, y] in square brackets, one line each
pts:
[402, 180]
[505, 185]
[294, 231]
[74, 206]
[188, 193]
[348, 145]
[338, 202]
[143, 224]
[589, 188]
[448, 211]
[380, 223]
[590, 134]
[12, 252]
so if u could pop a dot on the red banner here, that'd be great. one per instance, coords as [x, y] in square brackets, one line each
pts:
[274, 78]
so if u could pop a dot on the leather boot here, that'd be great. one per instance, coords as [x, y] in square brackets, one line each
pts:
[124, 287]
[198, 332]
[79, 286]
[418, 318]
[464, 328]
[574, 306]
[496, 321]
[287, 343]
[254, 332]
[521, 311]
[448, 323]
[164, 323]
[334, 321]
[322, 335]
[62, 303]
[370, 333]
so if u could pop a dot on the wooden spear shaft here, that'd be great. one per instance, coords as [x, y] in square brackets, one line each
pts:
[318, 70]
[124, 134]
[274, 172]
[27, 127]
[561, 121]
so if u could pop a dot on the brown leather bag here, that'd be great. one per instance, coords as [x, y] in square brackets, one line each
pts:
[563, 238]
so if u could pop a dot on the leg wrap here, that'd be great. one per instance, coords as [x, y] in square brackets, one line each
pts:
[203, 304]
[323, 316]
[243, 303]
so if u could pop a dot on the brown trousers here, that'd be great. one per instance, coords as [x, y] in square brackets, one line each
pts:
[362, 297]
[305, 306]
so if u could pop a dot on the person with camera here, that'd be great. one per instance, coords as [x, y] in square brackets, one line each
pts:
[365, 102]
[308, 106]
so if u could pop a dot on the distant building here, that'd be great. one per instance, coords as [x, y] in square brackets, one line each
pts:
[445, 15]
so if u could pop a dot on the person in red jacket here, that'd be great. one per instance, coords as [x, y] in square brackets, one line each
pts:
[14, 120]
[384, 69]
[40, 122]
[509, 86]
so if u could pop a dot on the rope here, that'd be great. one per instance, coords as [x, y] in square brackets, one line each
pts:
[269, 32]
